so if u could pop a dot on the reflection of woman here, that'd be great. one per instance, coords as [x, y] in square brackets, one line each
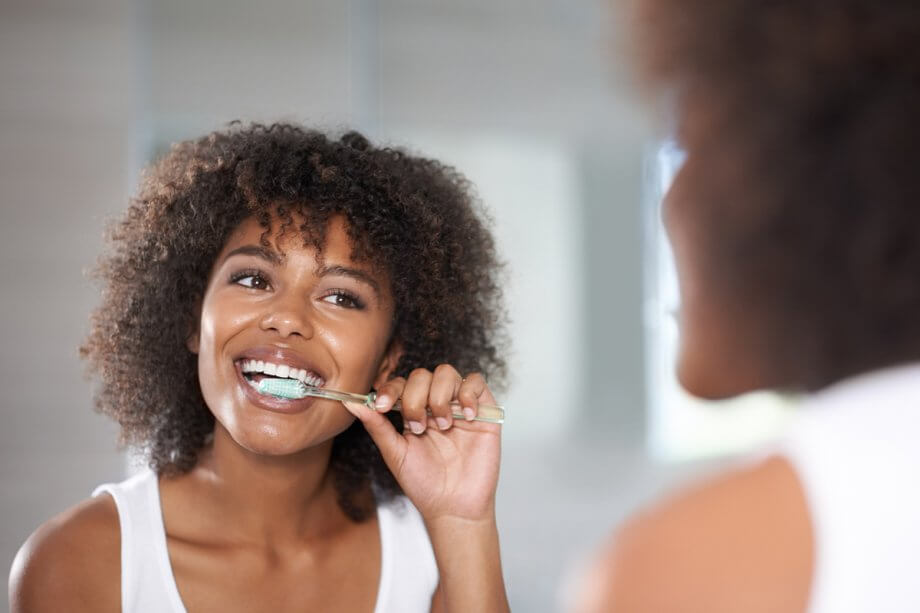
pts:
[796, 229]
[274, 251]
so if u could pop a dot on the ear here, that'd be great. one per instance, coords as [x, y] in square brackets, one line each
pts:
[388, 363]
[193, 340]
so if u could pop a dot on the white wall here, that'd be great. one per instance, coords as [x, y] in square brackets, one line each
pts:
[67, 114]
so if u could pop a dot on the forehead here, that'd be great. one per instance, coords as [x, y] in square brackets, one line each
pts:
[288, 238]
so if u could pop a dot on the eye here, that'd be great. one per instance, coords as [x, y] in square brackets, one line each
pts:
[343, 299]
[252, 279]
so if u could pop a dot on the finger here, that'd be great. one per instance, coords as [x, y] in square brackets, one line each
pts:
[414, 399]
[389, 393]
[473, 390]
[445, 383]
[391, 443]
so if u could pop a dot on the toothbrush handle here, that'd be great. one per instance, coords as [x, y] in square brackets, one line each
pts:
[491, 413]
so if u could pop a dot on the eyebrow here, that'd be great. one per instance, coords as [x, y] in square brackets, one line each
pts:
[354, 273]
[256, 250]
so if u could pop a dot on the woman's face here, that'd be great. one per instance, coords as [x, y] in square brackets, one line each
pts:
[326, 320]
[721, 353]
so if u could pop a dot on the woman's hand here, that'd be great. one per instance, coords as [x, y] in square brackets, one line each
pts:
[448, 467]
[449, 470]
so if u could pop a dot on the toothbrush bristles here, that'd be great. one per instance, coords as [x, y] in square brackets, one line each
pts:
[282, 388]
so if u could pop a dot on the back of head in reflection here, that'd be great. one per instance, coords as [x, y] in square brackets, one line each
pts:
[796, 218]
[795, 223]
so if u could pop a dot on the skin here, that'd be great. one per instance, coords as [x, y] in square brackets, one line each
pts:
[258, 513]
[722, 336]
[744, 541]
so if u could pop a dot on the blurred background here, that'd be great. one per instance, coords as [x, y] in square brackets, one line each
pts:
[532, 100]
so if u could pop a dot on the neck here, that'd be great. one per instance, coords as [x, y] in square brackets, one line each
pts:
[270, 499]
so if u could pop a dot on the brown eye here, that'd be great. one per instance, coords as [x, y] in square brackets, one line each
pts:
[344, 300]
[253, 281]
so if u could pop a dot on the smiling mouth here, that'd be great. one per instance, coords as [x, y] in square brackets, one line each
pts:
[255, 371]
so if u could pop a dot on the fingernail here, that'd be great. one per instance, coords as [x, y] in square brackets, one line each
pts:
[381, 402]
[443, 424]
[469, 413]
[416, 427]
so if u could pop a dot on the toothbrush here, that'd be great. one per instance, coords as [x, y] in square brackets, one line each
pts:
[294, 389]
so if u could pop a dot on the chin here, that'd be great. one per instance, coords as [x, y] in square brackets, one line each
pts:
[273, 437]
[268, 442]
[712, 380]
[269, 434]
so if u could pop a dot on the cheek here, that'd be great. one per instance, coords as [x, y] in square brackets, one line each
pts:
[209, 373]
[358, 350]
[207, 330]
[210, 330]
[220, 320]
[707, 331]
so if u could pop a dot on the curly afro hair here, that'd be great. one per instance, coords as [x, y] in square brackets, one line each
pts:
[801, 120]
[413, 217]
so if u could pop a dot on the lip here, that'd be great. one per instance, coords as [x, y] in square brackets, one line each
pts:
[278, 355]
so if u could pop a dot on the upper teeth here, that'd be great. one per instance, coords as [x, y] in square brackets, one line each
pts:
[282, 371]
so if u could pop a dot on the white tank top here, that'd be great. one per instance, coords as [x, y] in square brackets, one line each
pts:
[147, 582]
[856, 449]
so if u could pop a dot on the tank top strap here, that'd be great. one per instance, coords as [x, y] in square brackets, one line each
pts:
[147, 582]
[408, 571]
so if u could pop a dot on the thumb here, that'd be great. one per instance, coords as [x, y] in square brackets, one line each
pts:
[391, 443]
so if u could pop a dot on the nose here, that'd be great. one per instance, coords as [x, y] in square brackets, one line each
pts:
[288, 315]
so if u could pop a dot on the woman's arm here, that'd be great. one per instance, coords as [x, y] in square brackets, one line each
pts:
[470, 567]
[71, 563]
[451, 476]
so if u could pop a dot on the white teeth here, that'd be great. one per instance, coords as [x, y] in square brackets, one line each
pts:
[281, 371]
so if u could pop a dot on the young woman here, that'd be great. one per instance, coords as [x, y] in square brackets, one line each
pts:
[276, 252]
[795, 222]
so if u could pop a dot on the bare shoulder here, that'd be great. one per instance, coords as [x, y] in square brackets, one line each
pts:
[72, 562]
[740, 542]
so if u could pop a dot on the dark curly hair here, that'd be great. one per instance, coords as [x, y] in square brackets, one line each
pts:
[413, 217]
[803, 118]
